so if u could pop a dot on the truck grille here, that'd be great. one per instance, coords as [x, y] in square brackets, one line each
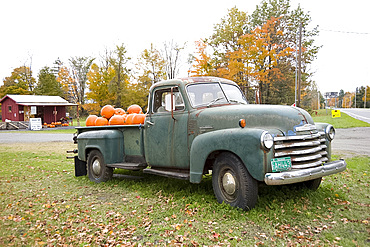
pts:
[306, 149]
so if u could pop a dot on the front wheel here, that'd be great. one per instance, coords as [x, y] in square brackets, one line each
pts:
[232, 182]
[97, 170]
[312, 184]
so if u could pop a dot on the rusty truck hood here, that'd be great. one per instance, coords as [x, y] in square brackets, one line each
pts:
[279, 120]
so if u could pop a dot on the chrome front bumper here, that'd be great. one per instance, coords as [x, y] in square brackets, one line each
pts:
[296, 176]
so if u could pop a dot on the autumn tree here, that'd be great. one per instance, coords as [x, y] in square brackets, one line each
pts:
[19, 82]
[340, 97]
[311, 98]
[253, 60]
[80, 67]
[290, 21]
[151, 66]
[99, 94]
[226, 34]
[47, 83]
[228, 60]
[202, 62]
[67, 83]
[136, 93]
[268, 55]
[258, 51]
[172, 53]
[119, 60]
[347, 100]
[362, 93]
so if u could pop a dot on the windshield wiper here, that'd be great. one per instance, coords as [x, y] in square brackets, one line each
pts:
[237, 101]
[214, 101]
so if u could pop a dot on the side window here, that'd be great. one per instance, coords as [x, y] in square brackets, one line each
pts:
[9, 108]
[162, 100]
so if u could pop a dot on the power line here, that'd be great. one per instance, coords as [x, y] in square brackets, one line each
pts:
[338, 31]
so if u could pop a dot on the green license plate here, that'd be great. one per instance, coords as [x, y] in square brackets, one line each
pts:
[281, 164]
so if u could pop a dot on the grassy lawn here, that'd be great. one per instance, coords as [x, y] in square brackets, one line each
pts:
[42, 203]
[345, 121]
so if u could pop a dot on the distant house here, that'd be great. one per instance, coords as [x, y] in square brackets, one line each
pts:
[22, 107]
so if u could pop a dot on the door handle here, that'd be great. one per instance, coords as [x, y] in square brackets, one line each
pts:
[150, 123]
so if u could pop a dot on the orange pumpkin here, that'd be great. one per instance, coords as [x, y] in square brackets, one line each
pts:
[130, 119]
[139, 119]
[107, 111]
[101, 121]
[90, 120]
[119, 111]
[134, 109]
[117, 120]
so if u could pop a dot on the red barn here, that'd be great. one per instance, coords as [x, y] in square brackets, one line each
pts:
[22, 107]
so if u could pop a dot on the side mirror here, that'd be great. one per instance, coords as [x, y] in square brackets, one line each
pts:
[168, 102]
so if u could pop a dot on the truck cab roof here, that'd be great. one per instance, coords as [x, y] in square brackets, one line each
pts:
[190, 80]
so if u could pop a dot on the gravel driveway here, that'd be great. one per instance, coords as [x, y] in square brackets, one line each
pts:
[353, 140]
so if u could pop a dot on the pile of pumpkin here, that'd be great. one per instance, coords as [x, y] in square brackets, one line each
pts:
[55, 124]
[117, 116]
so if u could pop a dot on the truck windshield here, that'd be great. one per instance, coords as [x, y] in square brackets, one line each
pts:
[207, 94]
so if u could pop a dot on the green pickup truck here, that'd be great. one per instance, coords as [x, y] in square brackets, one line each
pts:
[200, 125]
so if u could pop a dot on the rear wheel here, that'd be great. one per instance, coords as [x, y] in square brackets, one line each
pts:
[97, 170]
[232, 182]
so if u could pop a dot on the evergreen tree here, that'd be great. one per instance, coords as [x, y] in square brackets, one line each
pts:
[48, 84]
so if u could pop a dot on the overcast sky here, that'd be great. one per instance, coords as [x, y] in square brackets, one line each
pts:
[45, 30]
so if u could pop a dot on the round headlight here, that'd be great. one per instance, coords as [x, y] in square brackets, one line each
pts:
[330, 132]
[267, 141]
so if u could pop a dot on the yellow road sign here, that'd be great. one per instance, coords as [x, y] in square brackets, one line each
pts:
[335, 113]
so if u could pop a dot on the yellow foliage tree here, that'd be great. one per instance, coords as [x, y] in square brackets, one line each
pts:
[99, 93]
[203, 63]
[68, 84]
[257, 59]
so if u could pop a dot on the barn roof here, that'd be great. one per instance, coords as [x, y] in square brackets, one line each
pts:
[38, 100]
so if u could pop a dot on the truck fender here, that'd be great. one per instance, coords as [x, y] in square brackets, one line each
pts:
[108, 142]
[245, 143]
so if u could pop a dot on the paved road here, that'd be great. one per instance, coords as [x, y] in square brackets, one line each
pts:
[353, 140]
[18, 137]
[358, 113]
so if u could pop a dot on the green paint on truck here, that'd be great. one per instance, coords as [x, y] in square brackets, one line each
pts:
[192, 128]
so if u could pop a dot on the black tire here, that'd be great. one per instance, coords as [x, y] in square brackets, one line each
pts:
[312, 184]
[241, 188]
[96, 168]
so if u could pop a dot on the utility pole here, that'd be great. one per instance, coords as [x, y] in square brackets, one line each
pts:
[299, 66]
[365, 97]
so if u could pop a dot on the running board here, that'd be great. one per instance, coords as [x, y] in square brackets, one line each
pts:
[129, 166]
[170, 174]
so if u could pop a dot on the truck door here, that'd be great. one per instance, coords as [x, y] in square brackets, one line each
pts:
[165, 133]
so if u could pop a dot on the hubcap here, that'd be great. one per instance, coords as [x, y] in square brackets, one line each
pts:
[96, 167]
[229, 184]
